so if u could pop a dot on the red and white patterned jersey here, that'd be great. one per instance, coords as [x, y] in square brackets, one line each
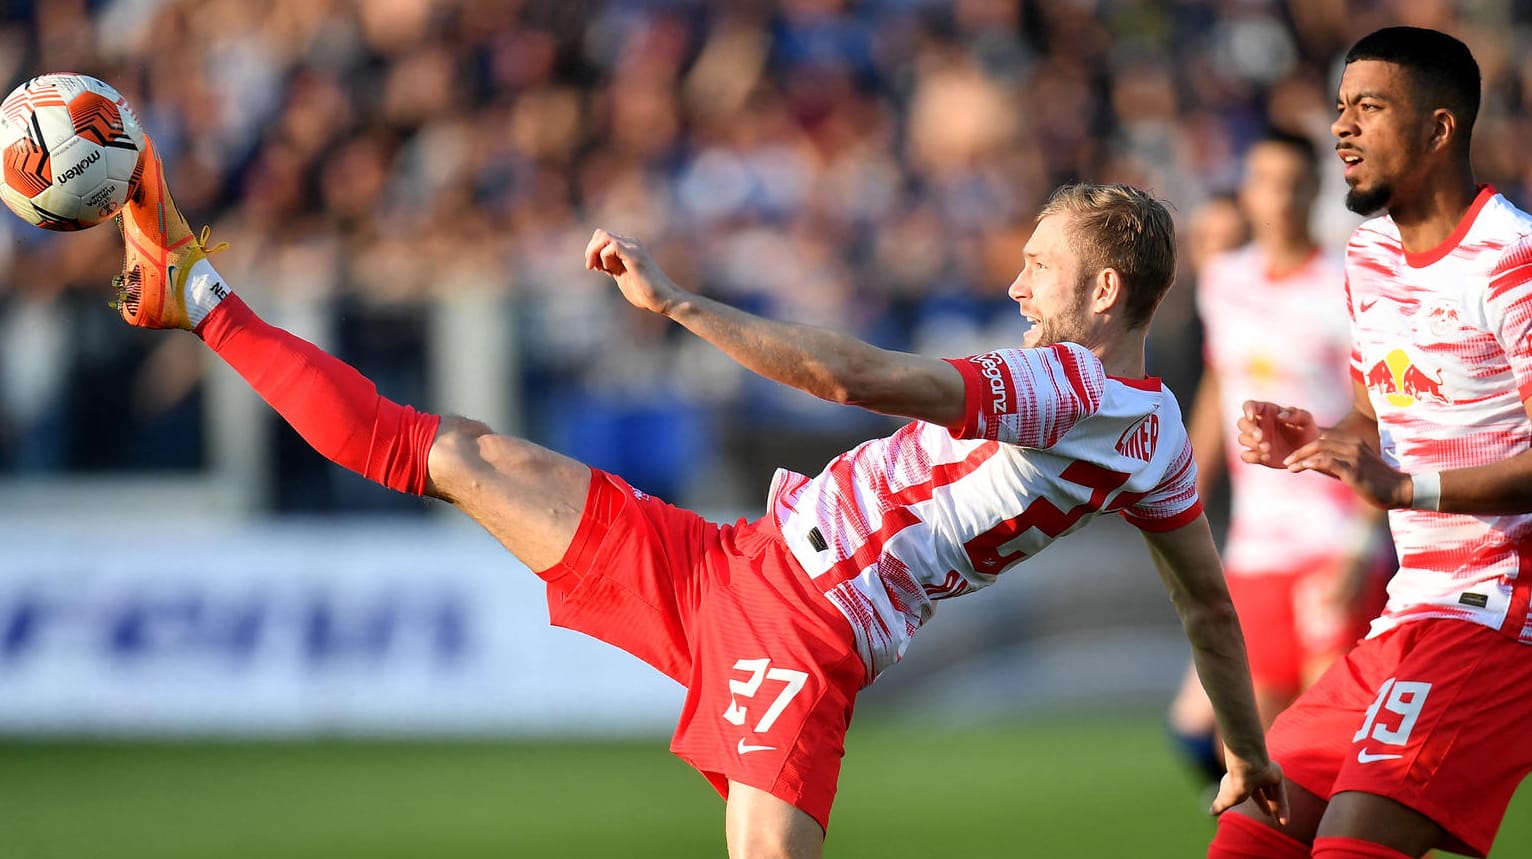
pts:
[1281, 339]
[1443, 341]
[1049, 442]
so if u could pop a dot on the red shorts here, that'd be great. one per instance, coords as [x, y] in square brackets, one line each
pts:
[1290, 620]
[770, 666]
[1432, 714]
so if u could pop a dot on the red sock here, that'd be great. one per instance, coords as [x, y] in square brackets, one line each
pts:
[336, 409]
[1239, 837]
[1331, 847]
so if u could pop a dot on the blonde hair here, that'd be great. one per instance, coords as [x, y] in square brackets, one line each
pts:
[1123, 228]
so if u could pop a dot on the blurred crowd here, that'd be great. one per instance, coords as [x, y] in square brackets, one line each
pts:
[869, 166]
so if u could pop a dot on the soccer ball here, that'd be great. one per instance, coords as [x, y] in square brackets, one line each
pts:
[70, 147]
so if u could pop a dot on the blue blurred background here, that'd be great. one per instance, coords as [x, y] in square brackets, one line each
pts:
[410, 184]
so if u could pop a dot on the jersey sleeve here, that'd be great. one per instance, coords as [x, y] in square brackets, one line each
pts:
[1174, 501]
[1028, 397]
[1508, 310]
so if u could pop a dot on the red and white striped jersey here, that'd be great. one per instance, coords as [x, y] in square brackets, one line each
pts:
[1443, 342]
[1050, 442]
[1281, 339]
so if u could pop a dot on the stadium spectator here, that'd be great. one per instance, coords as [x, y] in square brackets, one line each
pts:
[710, 123]
[1304, 557]
[1414, 740]
[1005, 452]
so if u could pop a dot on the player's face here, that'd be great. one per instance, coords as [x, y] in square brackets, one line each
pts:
[1380, 134]
[1278, 190]
[1050, 290]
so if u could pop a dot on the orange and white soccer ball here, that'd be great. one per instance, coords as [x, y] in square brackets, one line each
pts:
[70, 151]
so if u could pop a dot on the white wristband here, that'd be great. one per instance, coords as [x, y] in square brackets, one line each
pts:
[1428, 491]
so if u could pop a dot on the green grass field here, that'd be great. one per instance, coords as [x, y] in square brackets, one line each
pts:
[1050, 789]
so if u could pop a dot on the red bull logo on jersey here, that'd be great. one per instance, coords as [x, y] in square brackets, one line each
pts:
[1403, 382]
[1139, 441]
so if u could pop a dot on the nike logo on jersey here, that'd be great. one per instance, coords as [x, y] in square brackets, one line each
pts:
[746, 748]
[1364, 306]
[1365, 757]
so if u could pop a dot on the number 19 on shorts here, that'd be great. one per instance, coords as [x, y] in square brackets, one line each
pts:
[1403, 698]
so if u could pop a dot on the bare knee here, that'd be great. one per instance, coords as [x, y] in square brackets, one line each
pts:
[470, 461]
[467, 452]
[457, 456]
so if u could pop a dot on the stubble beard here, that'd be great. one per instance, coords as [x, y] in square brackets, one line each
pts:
[1068, 327]
[1049, 332]
[1368, 202]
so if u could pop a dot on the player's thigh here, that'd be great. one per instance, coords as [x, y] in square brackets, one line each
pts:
[759, 825]
[1305, 811]
[530, 498]
[1368, 817]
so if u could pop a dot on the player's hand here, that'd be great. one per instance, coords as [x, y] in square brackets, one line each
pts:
[1354, 462]
[642, 282]
[1262, 784]
[1269, 432]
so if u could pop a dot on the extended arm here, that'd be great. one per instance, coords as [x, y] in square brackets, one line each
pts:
[1188, 563]
[827, 364]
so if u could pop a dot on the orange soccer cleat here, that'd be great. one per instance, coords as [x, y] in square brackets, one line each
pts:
[163, 257]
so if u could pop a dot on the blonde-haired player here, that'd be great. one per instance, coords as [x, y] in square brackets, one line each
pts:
[775, 625]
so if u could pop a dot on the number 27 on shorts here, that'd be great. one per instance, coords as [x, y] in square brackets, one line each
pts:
[760, 670]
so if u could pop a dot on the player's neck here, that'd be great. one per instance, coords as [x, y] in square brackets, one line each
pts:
[1123, 356]
[1427, 218]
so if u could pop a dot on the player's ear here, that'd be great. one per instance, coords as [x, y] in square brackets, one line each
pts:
[1442, 129]
[1107, 290]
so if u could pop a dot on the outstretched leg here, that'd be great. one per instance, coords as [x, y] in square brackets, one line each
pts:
[528, 497]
